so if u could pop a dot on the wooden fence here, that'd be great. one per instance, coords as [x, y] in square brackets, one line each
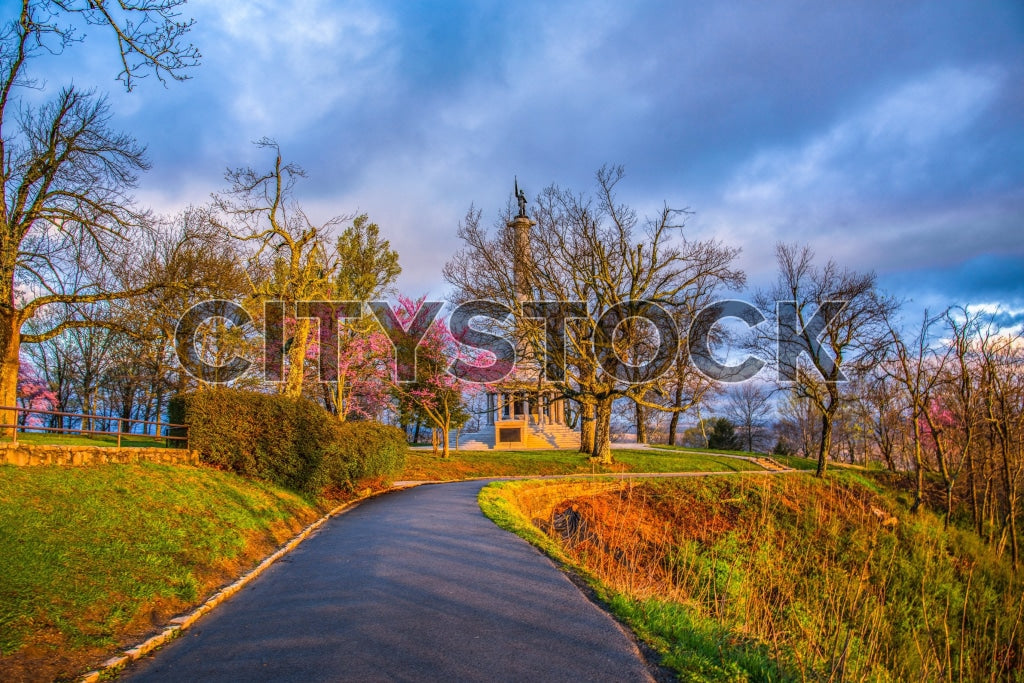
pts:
[22, 424]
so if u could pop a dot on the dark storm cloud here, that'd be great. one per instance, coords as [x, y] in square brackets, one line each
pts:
[888, 135]
[990, 278]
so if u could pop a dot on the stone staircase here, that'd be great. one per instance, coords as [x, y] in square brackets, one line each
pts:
[476, 441]
[552, 436]
[770, 464]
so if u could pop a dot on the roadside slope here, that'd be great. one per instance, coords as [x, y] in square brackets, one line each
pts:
[96, 557]
[769, 577]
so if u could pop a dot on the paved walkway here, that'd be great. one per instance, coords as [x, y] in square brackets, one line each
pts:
[414, 585]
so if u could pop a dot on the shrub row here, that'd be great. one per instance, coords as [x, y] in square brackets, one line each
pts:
[291, 442]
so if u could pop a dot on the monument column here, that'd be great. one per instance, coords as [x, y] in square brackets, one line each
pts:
[520, 226]
[521, 275]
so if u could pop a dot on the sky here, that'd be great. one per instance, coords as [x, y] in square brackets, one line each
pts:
[887, 135]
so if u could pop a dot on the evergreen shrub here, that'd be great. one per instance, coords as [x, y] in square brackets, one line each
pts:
[291, 442]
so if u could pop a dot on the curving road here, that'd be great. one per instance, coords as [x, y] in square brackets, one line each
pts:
[414, 585]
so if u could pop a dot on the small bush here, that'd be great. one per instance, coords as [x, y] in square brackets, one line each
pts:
[292, 442]
[361, 450]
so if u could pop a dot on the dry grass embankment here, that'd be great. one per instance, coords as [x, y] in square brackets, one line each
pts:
[781, 578]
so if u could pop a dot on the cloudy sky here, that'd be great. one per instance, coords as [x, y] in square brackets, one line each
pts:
[888, 135]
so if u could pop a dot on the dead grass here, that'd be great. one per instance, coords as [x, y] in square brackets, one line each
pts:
[780, 578]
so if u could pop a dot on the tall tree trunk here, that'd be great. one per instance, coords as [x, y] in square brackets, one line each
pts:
[949, 504]
[977, 513]
[445, 447]
[673, 423]
[297, 358]
[918, 466]
[124, 425]
[147, 412]
[1014, 541]
[887, 451]
[586, 427]
[703, 429]
[341, 399]
[990, 507]
[159, 413]
[641, 423]
[825, 444]
[603, 431]
[10, 345]
[1010, 487]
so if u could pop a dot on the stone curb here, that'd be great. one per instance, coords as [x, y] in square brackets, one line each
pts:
[183, 622]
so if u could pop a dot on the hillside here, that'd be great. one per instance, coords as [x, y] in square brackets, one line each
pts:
[781, 578]
[95, 557]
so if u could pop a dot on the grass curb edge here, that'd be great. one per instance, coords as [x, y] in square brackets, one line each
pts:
[181, 623]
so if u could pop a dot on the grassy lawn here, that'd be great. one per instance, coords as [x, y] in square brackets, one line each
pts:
[687, 449]
[127, 440]
[796, 462]
[95, 557]
[654, 461]
[424, 465]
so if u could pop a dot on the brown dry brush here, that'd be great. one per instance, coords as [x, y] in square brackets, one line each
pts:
[809, 570]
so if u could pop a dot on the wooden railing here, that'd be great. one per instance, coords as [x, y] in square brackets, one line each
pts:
[8, 429]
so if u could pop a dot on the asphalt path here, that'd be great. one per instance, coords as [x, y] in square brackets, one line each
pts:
[414, 585]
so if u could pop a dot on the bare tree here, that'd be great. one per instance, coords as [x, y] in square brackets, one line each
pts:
[748, 406]
[956, 403]
[917, 369]
[65, 210]
[830, 325]
[798, 428]
[882, 409]
[686, 387]
[1001, 360]
[288, 258]
[594, 251]
[187, 251]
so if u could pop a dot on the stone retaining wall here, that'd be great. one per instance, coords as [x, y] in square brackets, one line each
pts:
[31, 455]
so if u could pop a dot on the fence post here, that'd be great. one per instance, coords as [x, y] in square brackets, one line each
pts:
[120, 426]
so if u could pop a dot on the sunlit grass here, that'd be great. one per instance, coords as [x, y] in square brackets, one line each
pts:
[689, 449]
[661, 461]
[424, 465]
[127, 440]
[796, 462]
[94, 555]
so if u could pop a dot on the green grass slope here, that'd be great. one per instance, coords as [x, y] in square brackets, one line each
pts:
[106, 440]
[95, 557]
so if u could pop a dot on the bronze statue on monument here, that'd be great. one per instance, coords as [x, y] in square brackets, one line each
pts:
[521, 198]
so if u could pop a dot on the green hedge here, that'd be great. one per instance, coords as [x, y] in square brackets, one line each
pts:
[292, 442]
[361, 451]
